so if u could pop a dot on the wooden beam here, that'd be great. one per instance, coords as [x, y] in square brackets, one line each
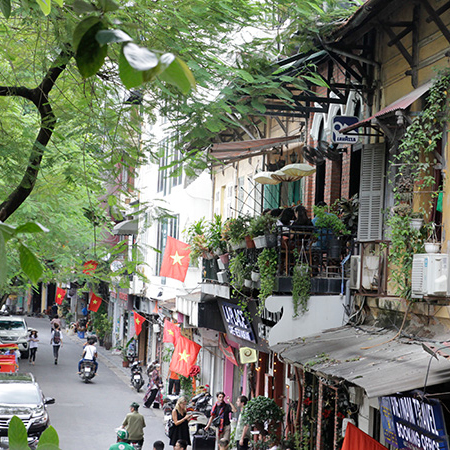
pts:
[415, 46]
[439, 11]
[400, 35]
[436, 19]
[351, 55]
[404, 23]
[398, 44]
[346, 66]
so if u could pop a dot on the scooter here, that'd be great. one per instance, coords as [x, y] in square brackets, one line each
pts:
[87, 371]
[197, 423]
[137, 378]
[201, 403]
[169, 402]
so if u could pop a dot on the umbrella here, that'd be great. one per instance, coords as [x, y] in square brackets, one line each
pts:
[265, 178]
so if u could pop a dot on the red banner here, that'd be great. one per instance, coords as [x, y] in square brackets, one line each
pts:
[171, 332]
[184, 356]
[227, 350]
[60, 295]
[355, 439]
[138, 321]
[95, 303]
[176, 259]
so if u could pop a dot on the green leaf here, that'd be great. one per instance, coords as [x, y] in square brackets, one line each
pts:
[30, 264]
[5, 8]
[129, 76]
[111, 36]
[31, 227]
[7, 231]
[49, 437]
[140, 58]
[81, 29]
[17, 434]
[90, 55]
[81, 7]
[179, 74]
[45, 5]
[3, 263]
[245, 75]
[108, 5]
[163, 64]
[59, 2]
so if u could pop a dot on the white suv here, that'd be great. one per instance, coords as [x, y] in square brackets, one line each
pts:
[14, 330]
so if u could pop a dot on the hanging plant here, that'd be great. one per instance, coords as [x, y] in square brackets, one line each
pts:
[267, 263]
[237, 270]
[301, 288]
[415, 161]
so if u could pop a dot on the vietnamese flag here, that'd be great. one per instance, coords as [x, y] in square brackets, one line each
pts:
[355, 438]
[175, 262]
[95, 303]
[184, 356]
[60, 295]
[89, 267]
[171, 332]
[138, 321]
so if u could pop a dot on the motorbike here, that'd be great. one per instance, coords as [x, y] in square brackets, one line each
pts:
[169, 402]
[87, 371]
[137, 378]
[201, 403]
[197, 423]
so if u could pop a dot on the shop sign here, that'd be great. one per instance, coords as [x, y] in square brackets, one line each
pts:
[413, 423]
[237, 324]
[341, 122]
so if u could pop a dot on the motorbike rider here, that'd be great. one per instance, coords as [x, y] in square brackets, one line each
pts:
[89, 354]
[122, 439]
[134, 423]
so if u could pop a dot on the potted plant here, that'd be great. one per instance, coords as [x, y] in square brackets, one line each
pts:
[260, 227]
[416, 220]
[262, 412]
[215, 242]
[235, 230]
[197, 240]
[248, 276]
[237, 267]
[267, 265]
[301, 287]
[432, 245]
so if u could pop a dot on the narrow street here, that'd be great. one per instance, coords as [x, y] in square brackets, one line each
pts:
[86, 415]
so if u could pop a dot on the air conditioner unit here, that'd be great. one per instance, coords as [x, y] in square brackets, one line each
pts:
[355, 272]
[429, 275]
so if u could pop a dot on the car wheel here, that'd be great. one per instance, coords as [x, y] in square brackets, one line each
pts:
[25, 354]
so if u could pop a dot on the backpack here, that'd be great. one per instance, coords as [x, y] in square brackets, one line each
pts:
[56, 337]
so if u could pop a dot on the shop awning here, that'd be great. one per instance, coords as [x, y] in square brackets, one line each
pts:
[367, 357]
[231, 151]
[126, 227]
[400, 104]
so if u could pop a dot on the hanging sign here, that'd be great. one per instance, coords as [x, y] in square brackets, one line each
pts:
[236, 323]
[413, 423]
[341, 122]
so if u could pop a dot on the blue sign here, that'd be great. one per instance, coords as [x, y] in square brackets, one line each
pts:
[341, 122]
[237, 324]
[413, 423]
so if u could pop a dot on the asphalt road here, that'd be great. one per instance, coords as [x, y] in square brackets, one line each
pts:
[85, 416]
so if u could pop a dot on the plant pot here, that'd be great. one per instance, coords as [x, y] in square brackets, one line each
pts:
[249, 242]
[432, 247]
[416, 224]
[256, 276]
[248, 283]
[221, 265]
[259, 241]
[271, 240]
[225, 259]
[222, 276]
[334, 248]
[125, 363]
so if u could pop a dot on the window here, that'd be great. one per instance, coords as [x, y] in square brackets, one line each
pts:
[169, 177]
[166, 227]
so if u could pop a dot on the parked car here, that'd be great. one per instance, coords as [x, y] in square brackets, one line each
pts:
[21, 396]
[14, 330]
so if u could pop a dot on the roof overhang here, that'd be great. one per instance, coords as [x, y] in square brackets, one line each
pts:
[233, 151]
[126, 228]
[367, 357]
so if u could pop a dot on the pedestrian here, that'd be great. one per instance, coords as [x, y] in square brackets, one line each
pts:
[56, 341]
[174, 383]
[181, 444]
[242, 432]
[55, 321]
[180, 417]
[134, 423]
[122, 439]
[221, 412]
[154, 385]
[33, 345]
[158, 445]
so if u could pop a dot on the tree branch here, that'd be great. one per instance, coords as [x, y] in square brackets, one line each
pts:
[39, 97]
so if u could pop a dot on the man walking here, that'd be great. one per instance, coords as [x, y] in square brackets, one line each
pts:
[134, 423]
[242, 430]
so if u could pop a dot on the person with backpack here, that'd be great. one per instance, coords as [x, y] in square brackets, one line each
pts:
[56, 341]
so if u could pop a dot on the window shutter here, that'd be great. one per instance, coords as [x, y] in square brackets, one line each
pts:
[271, 196]
[371, 192]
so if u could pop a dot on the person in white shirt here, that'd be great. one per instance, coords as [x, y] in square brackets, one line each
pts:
[33, 345]
[89, 354]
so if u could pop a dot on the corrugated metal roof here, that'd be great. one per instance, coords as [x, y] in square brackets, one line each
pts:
[400, 104]
[367, 357]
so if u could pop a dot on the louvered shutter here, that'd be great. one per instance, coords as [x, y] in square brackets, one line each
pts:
[371, 192]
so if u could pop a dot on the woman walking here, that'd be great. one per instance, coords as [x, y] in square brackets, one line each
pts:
[33, 345]
[180, 429]
[154, 385]
[56, 341]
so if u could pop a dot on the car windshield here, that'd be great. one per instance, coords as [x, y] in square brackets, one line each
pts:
[19, 394]
[12, 325]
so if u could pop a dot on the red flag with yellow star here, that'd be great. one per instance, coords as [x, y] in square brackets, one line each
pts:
[60, 295]
[184, 356]
[171, 332]
[95, 303]
[176, 258]
[138, 321]
[89, 267]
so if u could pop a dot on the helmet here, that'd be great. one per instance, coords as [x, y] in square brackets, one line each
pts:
[122, 434]
[135, 406]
